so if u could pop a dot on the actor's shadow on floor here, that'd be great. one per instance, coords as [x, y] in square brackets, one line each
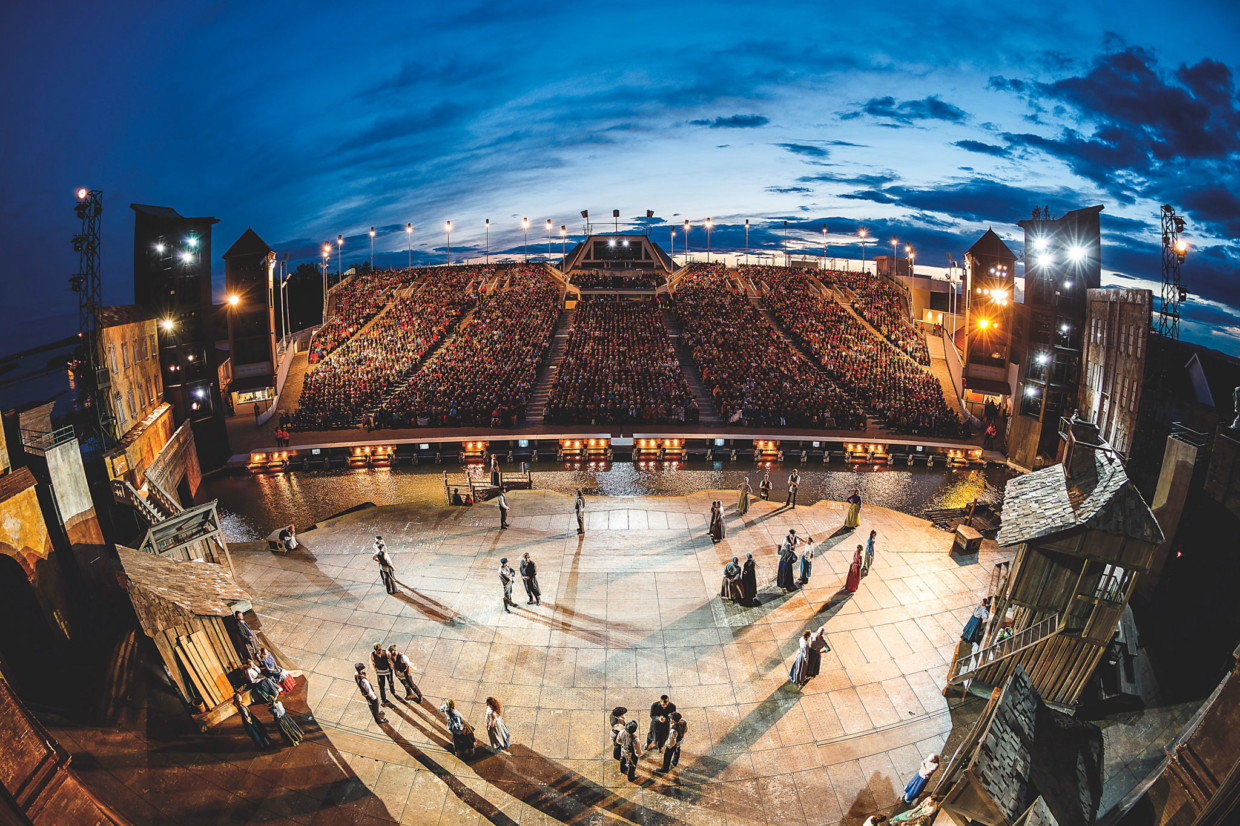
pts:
[428, 607]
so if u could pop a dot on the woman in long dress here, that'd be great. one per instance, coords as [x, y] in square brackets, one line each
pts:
[252, 725]
[817, 644]
[800, 666]
[497, 731]
[784, 577]
[289, 730]
[742, 500]
[976, 626]
[854, 510]
[869, 551]
[716, 522]
[854, 572]
[918, 782]
[732, 582]
[749, 581]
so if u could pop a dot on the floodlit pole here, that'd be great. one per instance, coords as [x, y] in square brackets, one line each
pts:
[372, 248]
[707, 240]
[824, 246]
[448, 229]
[548, 240]
[672, 241]
[746, 242]
[862, 234]
[488, 240]
[327, 253]
[563, 242]
[894, 256]
[409, 244]
[686, 242]
[525, 225]
[785, 243]
[339, 246]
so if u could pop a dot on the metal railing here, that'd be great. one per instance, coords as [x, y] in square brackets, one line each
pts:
[965, 667]
[44, 440]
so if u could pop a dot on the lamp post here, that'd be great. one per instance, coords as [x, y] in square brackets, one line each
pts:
[862, 233]
[785, 243]
[894, 256]
[686, 242]
[447, 226]
[525, 225]
[911, 257]
[339, 246]
[672, 241]
[488, 240]
[563, 243]
[372, 248]
[409, 244]
[824, 246]
[746, 242]
[327, 252]
[707, 240]
[548, 240]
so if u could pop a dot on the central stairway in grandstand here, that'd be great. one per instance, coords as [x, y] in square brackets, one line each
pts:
[537, 405]
[707, 412]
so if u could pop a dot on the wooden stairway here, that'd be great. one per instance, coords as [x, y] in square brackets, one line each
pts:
[966, 668]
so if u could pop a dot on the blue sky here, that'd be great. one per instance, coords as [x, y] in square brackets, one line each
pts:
[929, 122]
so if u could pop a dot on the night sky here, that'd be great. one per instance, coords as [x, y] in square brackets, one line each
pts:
[927, 121]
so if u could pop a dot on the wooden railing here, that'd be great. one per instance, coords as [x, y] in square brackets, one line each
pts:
[964, 668]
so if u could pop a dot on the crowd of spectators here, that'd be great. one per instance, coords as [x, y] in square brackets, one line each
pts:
[907, 396]
[754, 375]
[885, 307]
[348, 383]
[590, 280]
[620, 368]
[354, 304]
[484, 375]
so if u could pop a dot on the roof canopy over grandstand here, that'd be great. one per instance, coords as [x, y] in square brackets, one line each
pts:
[617, 252]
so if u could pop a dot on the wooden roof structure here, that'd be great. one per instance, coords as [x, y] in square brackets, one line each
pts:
[1021, 751]
[195, 588]
[1090, 490]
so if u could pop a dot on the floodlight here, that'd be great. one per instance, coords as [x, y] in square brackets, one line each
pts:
[1077, 253]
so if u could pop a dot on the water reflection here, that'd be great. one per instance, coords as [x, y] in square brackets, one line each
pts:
[251, 507]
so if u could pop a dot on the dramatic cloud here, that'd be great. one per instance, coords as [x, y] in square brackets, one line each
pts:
[734, 122]
[806, 149]
[983, 148]
[930, 108]
[1141, 132]
[788, 190]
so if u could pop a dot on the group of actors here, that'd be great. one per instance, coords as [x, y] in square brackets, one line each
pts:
[266, 681]
[666, 734]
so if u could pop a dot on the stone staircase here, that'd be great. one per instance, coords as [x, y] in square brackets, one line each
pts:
[537, 404]
[707, 412]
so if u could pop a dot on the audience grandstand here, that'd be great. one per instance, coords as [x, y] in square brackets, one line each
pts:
[888, 381]
[885, 307]
[753, 373]
[483, 375]
[620, 368]
[351, 380]
[355, 303]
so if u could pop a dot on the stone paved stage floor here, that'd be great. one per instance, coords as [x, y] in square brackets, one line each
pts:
[629, 612]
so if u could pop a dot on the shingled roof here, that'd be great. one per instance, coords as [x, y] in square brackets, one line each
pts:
[200, 588]
[1091, 491]
[1029, 750]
